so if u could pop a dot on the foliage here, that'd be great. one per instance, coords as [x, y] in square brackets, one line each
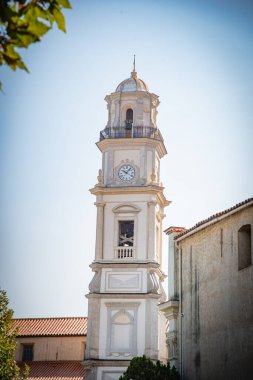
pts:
[9, 369]
[142, 368]
[23, 22]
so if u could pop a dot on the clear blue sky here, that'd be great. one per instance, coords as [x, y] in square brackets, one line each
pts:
[196, 55]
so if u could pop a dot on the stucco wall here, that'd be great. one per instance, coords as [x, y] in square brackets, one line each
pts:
[53, 348]
[217, 303]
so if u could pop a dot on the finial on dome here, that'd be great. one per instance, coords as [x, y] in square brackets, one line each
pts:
[134, 73]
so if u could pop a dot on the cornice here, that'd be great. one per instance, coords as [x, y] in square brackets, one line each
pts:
[146, 264]
[106, 144]
[150, 189]
[124, 296]
[170, 309]
[91, 363]
[141, 94]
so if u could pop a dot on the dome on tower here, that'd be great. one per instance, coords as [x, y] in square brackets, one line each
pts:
[132, 84]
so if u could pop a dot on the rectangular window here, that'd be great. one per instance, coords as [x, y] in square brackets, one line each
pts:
[126, 233]
[27, 352]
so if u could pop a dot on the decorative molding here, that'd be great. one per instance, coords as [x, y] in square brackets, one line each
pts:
[111, 375]
[123, 296]
[95, 283]
[126, 208]
[152, 283]
[152, 203]
[100, 177]
[153, 177]
[99, 204]
[122, 305]
[123, 281]
[105, 144]
[170, 309]
[91, 375]
[172, 343]
[150, 189]
[160, 216]
[162, 292]
[117, 181]
[124, 315]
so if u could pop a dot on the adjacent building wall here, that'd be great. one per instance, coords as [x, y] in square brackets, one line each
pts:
[216, 310]
[53, 348]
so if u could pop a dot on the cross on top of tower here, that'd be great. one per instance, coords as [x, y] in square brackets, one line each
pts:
[134, 73]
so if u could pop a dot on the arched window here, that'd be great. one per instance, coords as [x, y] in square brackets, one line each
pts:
[129, 118]
[244, 246]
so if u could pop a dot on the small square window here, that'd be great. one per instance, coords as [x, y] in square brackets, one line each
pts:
[27, 352]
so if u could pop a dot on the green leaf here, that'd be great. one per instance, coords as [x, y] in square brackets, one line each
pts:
[6, 13]
[10, 52]
[59, 19]
[38, 28]
[21, 65]
[42, 13]
[25, 39]
[13, 59]
[65, 4]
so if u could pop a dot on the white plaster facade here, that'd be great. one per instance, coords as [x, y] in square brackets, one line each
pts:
[123, 315]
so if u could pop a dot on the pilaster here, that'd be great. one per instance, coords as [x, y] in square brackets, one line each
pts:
[151, 229]
[170, 310]
[99, 230]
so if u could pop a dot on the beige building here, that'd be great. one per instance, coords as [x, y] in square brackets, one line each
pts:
[210, 305]
[52, 347]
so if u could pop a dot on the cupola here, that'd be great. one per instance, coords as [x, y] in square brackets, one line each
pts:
[132, 84]
[132, 110]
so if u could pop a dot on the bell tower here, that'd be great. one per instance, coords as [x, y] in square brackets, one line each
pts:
[123, 317]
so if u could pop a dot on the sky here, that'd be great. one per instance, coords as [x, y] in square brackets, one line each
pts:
[196, 55]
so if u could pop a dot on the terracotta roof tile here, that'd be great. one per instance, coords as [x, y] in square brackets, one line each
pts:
[55, 370]
[51, 326]
[213, 217]
[173, 229]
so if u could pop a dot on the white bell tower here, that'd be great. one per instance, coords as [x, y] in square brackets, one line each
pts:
[123, 317]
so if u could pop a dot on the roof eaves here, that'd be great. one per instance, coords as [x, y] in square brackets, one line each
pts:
[214, 219]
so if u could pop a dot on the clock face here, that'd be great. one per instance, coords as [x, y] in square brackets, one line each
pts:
[126, 173]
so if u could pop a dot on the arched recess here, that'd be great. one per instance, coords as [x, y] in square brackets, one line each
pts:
[244, 247]
[122, 332]
[129, 115]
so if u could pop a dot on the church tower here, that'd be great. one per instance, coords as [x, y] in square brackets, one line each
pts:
[123, 316]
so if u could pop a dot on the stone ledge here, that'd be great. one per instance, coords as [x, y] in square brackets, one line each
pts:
[90, 363]
[170, 308]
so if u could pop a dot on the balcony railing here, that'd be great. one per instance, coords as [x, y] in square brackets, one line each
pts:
[134, 132]
[124, 253]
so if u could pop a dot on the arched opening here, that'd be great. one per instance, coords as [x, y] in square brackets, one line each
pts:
[244, 246]
[129, 118]
[126, 233]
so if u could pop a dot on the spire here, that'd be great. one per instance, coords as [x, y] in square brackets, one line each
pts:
[134, 73]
